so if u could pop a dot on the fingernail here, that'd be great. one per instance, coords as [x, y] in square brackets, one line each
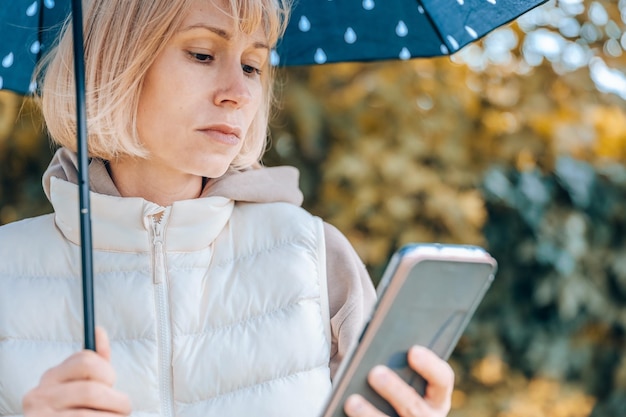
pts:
[379, 375]
[416, 350]
[354, 404]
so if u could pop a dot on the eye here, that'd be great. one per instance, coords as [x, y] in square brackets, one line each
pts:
[201, 58]
[249, 69]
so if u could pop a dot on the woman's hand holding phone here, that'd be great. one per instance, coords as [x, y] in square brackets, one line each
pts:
[427, 296]
[403, 397]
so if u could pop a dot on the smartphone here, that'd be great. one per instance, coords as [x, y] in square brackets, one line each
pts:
[426, 296]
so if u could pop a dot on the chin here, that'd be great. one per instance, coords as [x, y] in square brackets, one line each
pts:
[210, 166]
[214, 172]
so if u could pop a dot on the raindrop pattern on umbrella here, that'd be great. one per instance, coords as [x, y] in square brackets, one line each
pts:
[367, 30]
[23, 42]
[320, 31]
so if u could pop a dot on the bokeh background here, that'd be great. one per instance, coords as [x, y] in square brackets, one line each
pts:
[516, 143]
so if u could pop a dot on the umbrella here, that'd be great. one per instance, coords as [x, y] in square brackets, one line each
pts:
[320, 31]
[326, 31]
[43, 20]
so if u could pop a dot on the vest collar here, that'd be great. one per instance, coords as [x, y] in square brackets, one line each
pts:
[123, 224]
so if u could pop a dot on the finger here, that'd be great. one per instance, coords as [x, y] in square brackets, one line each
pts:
[86, 413]
[400, 395]
[90, 395]
[437, 373]
[84, 395]
[357, 406]
[103, 346]
[89, 413]
[84, 365]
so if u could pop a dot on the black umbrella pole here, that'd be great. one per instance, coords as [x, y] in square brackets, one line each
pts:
[83, 176]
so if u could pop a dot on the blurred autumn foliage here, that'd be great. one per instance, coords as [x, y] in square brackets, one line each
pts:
[24, 154]
[517, 143]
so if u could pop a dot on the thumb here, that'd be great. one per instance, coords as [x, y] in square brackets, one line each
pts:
[102, 343]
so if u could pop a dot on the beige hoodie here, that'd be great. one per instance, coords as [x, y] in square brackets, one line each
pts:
[350, 290]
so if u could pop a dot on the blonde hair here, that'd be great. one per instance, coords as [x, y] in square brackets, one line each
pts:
[122, 40]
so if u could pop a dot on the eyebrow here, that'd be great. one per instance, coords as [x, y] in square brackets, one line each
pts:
[221, 33]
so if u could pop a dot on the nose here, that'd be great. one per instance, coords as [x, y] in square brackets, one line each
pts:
[233, 86]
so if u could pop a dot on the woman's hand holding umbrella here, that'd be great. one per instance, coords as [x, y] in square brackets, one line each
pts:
[81, 385]
[405, 400]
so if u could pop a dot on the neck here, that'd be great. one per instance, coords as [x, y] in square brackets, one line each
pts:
[136, 178]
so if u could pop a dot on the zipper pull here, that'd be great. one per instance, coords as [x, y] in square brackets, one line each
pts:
[159, 255]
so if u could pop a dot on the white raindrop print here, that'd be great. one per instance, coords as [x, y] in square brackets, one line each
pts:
[32, 87]
[492, 1]
[368, 4]
[420, 9]
[404, 54]
[304, 25]
[1, 82]
[444, 49]
[471, 32]
[320, 56]
[32, 9]
[274, 58]
[350, 36]
[49, 4]
[453, 43]
[401, 29]
[35, 47]
[7, 61]
[461, 2]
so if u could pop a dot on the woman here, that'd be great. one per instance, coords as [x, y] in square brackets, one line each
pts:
[218, 293]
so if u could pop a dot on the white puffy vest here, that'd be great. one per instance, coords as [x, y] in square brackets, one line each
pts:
[212, 308]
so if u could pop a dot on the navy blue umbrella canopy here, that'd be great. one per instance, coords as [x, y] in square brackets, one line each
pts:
[27, 29]
[320, 31]
[325, 31]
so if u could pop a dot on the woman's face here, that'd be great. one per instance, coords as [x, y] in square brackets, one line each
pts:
[201, 94]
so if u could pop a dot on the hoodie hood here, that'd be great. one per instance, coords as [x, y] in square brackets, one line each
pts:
[255, 185]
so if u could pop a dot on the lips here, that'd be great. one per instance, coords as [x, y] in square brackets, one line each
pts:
[222, 133]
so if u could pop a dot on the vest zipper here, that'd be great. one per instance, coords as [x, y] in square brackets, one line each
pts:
[164, 332]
